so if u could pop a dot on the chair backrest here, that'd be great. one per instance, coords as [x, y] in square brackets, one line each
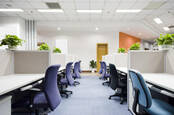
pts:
[76, 69]
[80, 67]
[50, 87]
[144, 97]
[68, 73]
[104, 68]
[101, 67]
[114, 76]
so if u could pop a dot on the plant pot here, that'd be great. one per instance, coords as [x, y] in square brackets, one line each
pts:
[11, 47]
[165, 47]
[93, 70]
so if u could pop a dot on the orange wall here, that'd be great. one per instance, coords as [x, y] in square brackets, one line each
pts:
[125, 40]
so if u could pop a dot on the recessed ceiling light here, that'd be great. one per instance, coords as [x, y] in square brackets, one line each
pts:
[129, 11]
[166, 28]
[11, 10]
[158, 20]
[58, 28]
[96, 28]
[50, 10]
[89, 11]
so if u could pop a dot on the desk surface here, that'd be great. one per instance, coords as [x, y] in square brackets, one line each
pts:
[11, 82]
[163, 80]
[123, 69]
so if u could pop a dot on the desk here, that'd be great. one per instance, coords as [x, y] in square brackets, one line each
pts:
[12, 82]
[122, 69]
[163, 80]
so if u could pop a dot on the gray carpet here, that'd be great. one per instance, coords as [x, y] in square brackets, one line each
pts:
[91, 98]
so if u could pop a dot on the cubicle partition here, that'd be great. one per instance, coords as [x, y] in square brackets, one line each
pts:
[7, 62]
[31, 62]
[57, 58]
[169, 68]
[154, 62]
[119, 59]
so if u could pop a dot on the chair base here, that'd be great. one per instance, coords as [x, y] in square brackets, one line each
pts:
[76, 83]
[122, 96]
[66, 93]
[106, 83]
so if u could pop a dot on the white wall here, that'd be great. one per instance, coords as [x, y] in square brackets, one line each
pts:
[81, 44]
[12, 25]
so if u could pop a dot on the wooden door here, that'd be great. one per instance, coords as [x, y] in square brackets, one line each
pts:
[102, 49]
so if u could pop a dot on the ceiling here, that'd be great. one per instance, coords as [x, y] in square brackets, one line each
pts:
[138, 24]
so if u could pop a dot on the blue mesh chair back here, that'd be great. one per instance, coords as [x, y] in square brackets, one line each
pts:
[76, 70]
[50, 87]
[104, 68]
[144, 98]
[80, 67]
[101, 67]
[68, 73]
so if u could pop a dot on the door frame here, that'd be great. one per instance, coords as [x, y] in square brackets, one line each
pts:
[97, 53]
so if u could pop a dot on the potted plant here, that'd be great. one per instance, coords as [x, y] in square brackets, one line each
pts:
[93, 65]
[135, 46]
[121, 50]
[43, 46]
[165, 41]
[12, 41]
[56, 50]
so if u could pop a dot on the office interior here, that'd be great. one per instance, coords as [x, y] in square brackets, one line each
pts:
[86, 57]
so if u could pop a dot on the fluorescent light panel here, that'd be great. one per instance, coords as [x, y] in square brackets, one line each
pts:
[50, 10]
[129, 11]
[11, 10]
[89, 11]
[158, 20]
[166, 28]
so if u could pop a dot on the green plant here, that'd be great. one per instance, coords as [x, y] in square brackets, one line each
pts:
[93, 64]
[121, 50]
[44, 47]
[135, 46]
[11, 40]
[167, 39]
[56, 50]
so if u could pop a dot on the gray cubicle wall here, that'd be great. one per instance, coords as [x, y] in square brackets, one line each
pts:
[6, 61]
[57, 58]
[145, 62]
[169, 68]
[31, 62]
[120, 59]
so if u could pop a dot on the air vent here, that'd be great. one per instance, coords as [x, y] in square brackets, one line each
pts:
[154, 5]
[53, 5]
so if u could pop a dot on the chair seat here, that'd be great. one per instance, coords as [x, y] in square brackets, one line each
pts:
[64, 81]
[40, 100]
[160, 108]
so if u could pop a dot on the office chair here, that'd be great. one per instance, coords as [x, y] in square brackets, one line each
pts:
[101, 67]
[46, 100]
[105, 75]
[80, 71]
[68, 80]
[118, 83]
[143, 98]
[76, 71]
